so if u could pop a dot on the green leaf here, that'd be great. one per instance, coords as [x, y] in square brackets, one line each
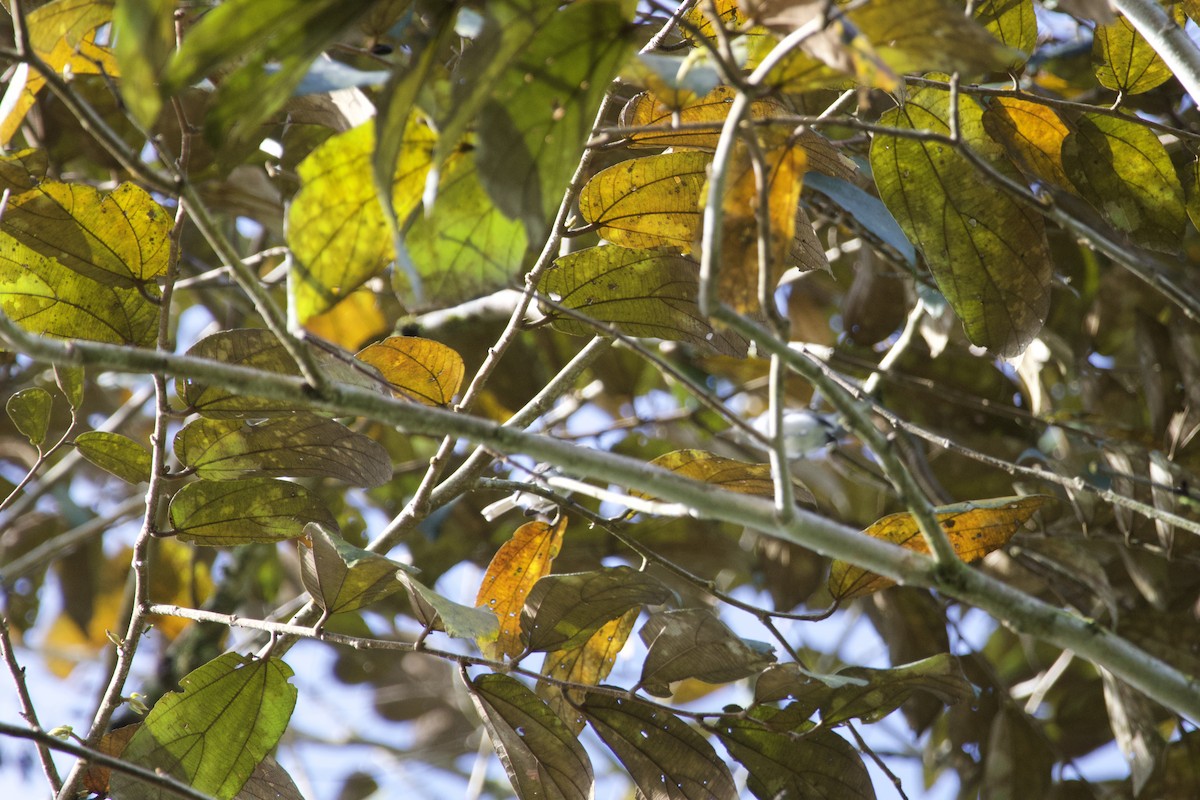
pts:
[784, 761]
[218, 513]
[867, 694]
[533, 127]
[666, 758]
[116, 454]
[465, 246]
[542, 757]
[46, 298]
[70, 382]
[1121, 168]
[693, 643]
[145, 40]
[645, 293]
[211, 736]
[121, 238]
[1191, 191]
[1125, 61]
[336, 227]
[930, 35]
[299, 446]
[341, 577]
[652, 201]
[454, 619]
[987, 251]
[29, 410]
[23, 170]
[258, 348]
[1013, 23]
[563, 611]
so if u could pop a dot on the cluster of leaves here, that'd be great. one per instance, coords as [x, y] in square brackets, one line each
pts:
[397, 157]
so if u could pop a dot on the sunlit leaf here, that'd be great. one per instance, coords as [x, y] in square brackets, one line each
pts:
[29, 410]
[177, 575]
[341, 577]
[676, 79]
[70, 382]
[116, 454]
[145, 38]
[986, 250]
[541, 756]
[975, 529]
[1033, 134]
[464, 246]
[655, 121]
[564, 611]
[699, 22]
[418, 369]
[727, 473]
[588, 664]
[930, 35]
[866, 694]
[258, 348]
[1122, 169]
[665, 757]
[797, 71]
[784, 760]
[335, 227]
[66, 20]
[442, 614]
[652, 201]
[1125, 61]
[213, 734]
[218, 513]
[1012, 22]
[539, 113]
[299, 446]
[517, 566]
[694, 643]
[354, 321]
[645, 293]
[46, 298]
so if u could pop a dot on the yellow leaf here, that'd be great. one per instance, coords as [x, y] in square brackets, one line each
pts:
[587, 664]
[517, 566]
[70, 641]
[350, 323]
[726, 473]
[419, 369]
[1032, 133]
[647, 111]
[697, 22]
[975, 529]
[1125, 61]
[176, 576]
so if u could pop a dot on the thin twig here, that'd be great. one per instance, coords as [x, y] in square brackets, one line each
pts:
[27, 708]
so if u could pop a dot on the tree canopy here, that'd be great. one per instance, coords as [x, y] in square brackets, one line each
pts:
[412, 355]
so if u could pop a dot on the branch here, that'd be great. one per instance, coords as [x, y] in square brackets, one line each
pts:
[27, 709]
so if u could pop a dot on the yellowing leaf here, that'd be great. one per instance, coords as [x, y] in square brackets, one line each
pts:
[797, 71]
[69, 641]
[1125, 61]
[588, 664]
[929, 35]
[335, 227]
[975, 529]
[727, 473]
[418, 369]
[351, 323]
[1122, 169]
[647, 293]
[217, 513]
[648, 202]
[987, 251]
[66, 20]
[1033, 135]
[1012, 22]
[46, 298]
[177, 576]
[697, 21]
[116, 454]
[515, 568]
[657, 126]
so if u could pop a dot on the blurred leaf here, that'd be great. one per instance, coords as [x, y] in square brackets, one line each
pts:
[975, 529]
[29, 410]
[211, 736]
[417, 369]
[116, 454]
[354, 321]
[588, 664]
[269, 781]
[70, 382]
[442, 614]
[299, 446]
[1122, 169]
[145, 38]
[1134, 725]
[218, 513]
[119, 238]
[1191, 189]
[1124, 61]
[335, 225]
[867, 210]
[95, 779]
[694, 643]
[785, 761]
[539, 113]
[930, 35]
[666, 758]
[341, 577]
[564, 611]
[1017, 763]
[46, 298]
[258, 348]
[464, 246]
[797, 71]
[23, 170]
[727, 473]
[967, 229]
[1012, 22]
[1033, 135]
[644, 293]
[653, 201]
[657, 126]
[542, 757]
[867, 694]
[517, 566]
